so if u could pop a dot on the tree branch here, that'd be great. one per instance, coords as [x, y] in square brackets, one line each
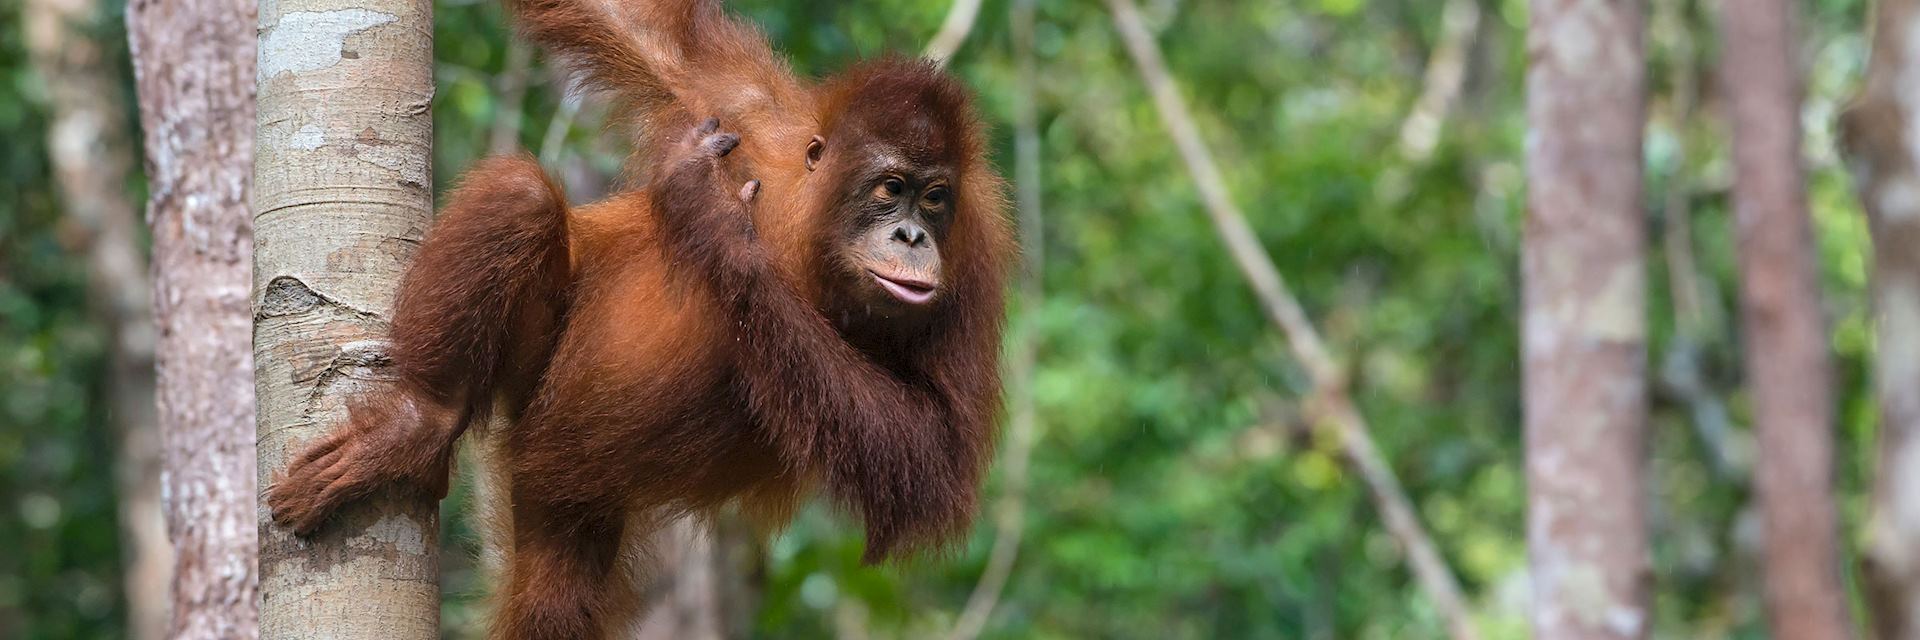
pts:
[1446, 73]
[1330, 402]
[504, 137]
[553, 143]
[953, 31]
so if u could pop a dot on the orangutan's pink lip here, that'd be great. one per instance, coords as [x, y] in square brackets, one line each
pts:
[907, 290]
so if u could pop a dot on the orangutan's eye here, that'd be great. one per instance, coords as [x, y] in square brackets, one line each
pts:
[889, 189]
[936, 197]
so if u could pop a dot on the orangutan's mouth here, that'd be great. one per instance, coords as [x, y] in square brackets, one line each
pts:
[908, 290]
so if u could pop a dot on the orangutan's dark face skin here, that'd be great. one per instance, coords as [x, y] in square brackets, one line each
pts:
[895, 215]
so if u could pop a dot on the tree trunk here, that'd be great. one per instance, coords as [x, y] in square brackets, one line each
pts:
[1878, 133]
[92, 155]
[684, 603]
[343, 197]
[1584, 323]
[193, 65]
[1788, 372]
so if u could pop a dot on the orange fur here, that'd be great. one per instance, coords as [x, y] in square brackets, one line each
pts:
[682, 347]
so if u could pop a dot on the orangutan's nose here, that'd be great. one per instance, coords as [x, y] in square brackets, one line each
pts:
[910, 234]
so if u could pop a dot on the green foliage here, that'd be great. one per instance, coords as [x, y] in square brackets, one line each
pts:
[1173, 493]
[60, 560]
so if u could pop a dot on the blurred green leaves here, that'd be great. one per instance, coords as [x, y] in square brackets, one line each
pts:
[1174, 493]
[59, 559]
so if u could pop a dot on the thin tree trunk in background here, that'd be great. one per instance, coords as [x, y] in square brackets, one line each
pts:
[92, 155]
[1584, 323]
[1878, 131]
[1788, 372]
[1022, 417]
[742, 562]
[193, 64]
[343, 195]
[704, 591]
[1697, 315]
[684, 602]
[1331, 404]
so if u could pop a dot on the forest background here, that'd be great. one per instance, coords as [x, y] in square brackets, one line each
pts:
[1174, 488]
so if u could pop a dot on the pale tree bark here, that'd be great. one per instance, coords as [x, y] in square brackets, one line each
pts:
[683, 603]
[1584, 323]
[953, 31]
[1881, 133]
[342, 198]
[742, 562]
[1788, 371]
[703, 589]
[92, 155]
[193, 64]
[1331, 403]
[1446, 74]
